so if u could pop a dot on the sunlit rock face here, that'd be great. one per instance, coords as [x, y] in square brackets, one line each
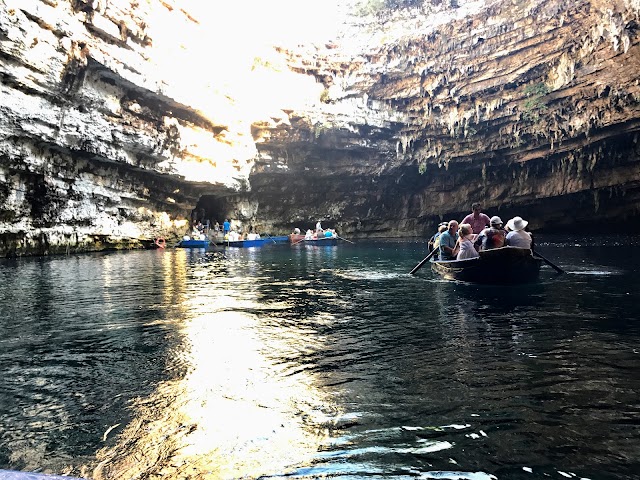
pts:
[118, 118]
[100, 147]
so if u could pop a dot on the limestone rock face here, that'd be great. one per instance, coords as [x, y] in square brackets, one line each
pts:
[96, 150]
[111, 133]
[531, 107]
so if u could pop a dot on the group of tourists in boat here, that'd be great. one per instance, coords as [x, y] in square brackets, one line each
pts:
[232, 234]
[319, 235]
[478, 232]
[482, 250]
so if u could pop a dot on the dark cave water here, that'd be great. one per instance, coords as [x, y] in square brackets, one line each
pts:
[312, 362]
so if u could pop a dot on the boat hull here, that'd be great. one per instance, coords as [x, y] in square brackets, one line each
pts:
[245, 243]
[279, 239]
[506, 265]
[194, 244]
[299, 240]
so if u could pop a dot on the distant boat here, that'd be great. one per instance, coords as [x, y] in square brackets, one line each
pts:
[246, 243]
[264, 239]
[505, 265]
[279, 239]
[298, 239]
[194, 243]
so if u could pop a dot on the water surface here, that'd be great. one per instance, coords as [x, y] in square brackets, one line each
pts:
[310, 362]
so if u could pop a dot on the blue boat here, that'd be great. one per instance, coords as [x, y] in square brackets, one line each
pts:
[246, 243]
[322, 241]
[279, 239]
[194, 244]
[296, 239]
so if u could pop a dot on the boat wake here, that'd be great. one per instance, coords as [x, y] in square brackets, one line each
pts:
[594, 272]
[367, 274]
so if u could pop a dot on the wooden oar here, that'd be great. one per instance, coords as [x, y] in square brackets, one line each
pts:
[424, 260]
[548, 262]
[295, 243]
[344, 239]
[270, 238]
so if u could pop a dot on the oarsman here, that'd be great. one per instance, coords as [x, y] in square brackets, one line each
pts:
[476, 218]
[434, 241]
[448, 240]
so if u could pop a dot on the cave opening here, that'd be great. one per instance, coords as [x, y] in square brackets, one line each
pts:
[210, 208]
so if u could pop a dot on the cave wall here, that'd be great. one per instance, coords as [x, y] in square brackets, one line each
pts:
[96, 149]
[531, 107]
[107, 139]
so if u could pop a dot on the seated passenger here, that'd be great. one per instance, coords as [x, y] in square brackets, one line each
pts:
[517, 237]
[433, 241]
[308, 235]
[296, 231]
[492, 237]
[448, 240]
[465, 247]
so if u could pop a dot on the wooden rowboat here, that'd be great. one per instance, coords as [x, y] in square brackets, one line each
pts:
[506, 265]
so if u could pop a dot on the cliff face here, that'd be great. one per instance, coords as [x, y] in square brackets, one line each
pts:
[532, 107]
[96, 149]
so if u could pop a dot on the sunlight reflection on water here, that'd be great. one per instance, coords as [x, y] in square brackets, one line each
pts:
[234, 411]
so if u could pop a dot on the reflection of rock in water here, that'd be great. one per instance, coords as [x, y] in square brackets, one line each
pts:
[501, 299]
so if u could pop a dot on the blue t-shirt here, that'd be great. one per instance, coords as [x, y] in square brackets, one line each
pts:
[226, 226]
[447, 240]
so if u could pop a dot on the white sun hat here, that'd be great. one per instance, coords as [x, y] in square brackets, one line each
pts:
[517, 223]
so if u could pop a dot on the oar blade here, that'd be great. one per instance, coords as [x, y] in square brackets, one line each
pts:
[424, 260]
[549, 262]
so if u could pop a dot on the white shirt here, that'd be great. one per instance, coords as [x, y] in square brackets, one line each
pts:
[519, 238]
[467, 250]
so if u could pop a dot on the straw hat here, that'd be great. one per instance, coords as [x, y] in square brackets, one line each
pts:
[517, 223]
